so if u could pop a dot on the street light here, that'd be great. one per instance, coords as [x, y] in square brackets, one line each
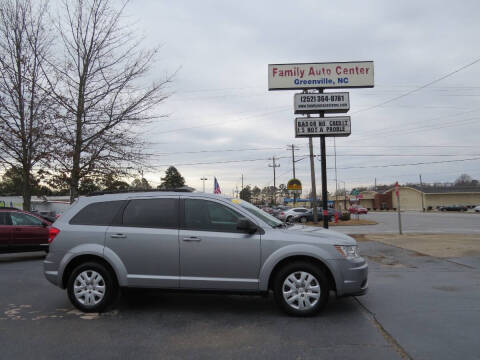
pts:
[204, 179]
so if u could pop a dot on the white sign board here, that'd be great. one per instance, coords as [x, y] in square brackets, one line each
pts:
[323, 126]
[328, 102]
[320, 75]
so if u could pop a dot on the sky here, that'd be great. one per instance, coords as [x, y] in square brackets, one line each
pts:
[223, 122]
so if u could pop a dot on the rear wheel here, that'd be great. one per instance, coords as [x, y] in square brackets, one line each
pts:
[303, 219]
[91, 287]
[301, 289]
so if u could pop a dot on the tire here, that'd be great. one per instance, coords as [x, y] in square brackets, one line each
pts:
[303, 304]
[303, 219]
[289, 219]
[92, 277]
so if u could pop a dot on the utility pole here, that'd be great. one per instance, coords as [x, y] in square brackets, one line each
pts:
[203, 179]
[421, 189]
[375, 184]
[242, 182]
[274, 166]
[293, 148]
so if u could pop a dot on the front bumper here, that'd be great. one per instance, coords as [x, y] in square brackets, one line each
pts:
[352, 277]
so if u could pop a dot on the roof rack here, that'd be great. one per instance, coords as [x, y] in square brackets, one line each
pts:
[182, 189]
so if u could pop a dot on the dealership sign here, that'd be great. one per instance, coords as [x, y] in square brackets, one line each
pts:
[320, 75]
[322, 126]
[312, 103]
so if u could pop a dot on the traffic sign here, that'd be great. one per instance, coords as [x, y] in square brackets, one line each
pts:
[311, 103]
[322, 126]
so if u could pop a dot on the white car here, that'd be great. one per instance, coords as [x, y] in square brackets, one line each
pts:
[290, 214]
[477, 209]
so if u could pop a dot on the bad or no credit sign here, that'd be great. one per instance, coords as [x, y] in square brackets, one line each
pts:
[323, 126]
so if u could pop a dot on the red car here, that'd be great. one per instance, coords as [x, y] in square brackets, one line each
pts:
[358, 210]
[22, 231]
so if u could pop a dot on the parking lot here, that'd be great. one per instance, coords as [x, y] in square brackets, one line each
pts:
[418, 307]
[418, 222]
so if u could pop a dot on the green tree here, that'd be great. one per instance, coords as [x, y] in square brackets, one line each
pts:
[246, 193]
[141, 184]
[88, 186]
[111, 182]
[256, 191]
[172, 180]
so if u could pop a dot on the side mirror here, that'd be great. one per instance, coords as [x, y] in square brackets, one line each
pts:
[244, 224]
[45, 224]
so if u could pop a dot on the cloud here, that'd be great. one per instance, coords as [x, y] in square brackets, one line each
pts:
[221, 99]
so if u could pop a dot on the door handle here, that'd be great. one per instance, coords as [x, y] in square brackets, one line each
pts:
[118, 236]
[192, 238]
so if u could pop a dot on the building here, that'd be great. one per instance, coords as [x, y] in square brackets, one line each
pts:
[411, 198]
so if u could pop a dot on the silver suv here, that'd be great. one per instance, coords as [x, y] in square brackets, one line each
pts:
[178, 240]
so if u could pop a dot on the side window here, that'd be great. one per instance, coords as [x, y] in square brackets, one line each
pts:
[209, 216]
[4, 218]
[24, 219]
[152, 213]
[99, 213]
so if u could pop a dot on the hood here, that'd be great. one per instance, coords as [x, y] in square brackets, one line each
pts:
[319, 233]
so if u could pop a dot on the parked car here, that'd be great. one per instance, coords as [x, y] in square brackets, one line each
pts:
[22, 231]
[453, 208]
[356, 209]
[308, 216]
[278, 209]
[197, 241]
[476, 208]
[290, 214]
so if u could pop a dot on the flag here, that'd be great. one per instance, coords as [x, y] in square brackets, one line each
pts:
[216, 187]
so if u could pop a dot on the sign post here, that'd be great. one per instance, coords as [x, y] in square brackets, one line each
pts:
[397, 194]
[320, 76]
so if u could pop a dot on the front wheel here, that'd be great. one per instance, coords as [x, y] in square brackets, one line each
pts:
[301, 289]
[91, 287]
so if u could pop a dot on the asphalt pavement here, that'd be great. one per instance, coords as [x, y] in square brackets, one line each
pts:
[417, 222]
[417, 307]
[37, 321]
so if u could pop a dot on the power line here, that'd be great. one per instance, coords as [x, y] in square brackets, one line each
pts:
[418, 88]
[411, 164]
[344, 168]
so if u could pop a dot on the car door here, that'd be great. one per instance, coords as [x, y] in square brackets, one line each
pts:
[29, 231]
[146, 240]
[213, 253]
[6, 230]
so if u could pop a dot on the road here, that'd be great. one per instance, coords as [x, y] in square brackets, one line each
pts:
[418, 307]
[418, 222]
[37, 321]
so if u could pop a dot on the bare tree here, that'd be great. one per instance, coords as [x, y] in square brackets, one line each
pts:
[24, 106]
[101, 87]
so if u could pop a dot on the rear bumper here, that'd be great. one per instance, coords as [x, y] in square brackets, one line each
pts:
[352, 277]
[50, 271]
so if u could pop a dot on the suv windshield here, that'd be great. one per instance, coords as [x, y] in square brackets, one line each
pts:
[269, 219]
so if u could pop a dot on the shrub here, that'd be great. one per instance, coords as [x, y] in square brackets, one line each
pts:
[345, 216]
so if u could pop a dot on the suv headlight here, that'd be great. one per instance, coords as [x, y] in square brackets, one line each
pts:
[348, 251]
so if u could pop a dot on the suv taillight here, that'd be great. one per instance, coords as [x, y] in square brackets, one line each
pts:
[52, 233]
[282, 213]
